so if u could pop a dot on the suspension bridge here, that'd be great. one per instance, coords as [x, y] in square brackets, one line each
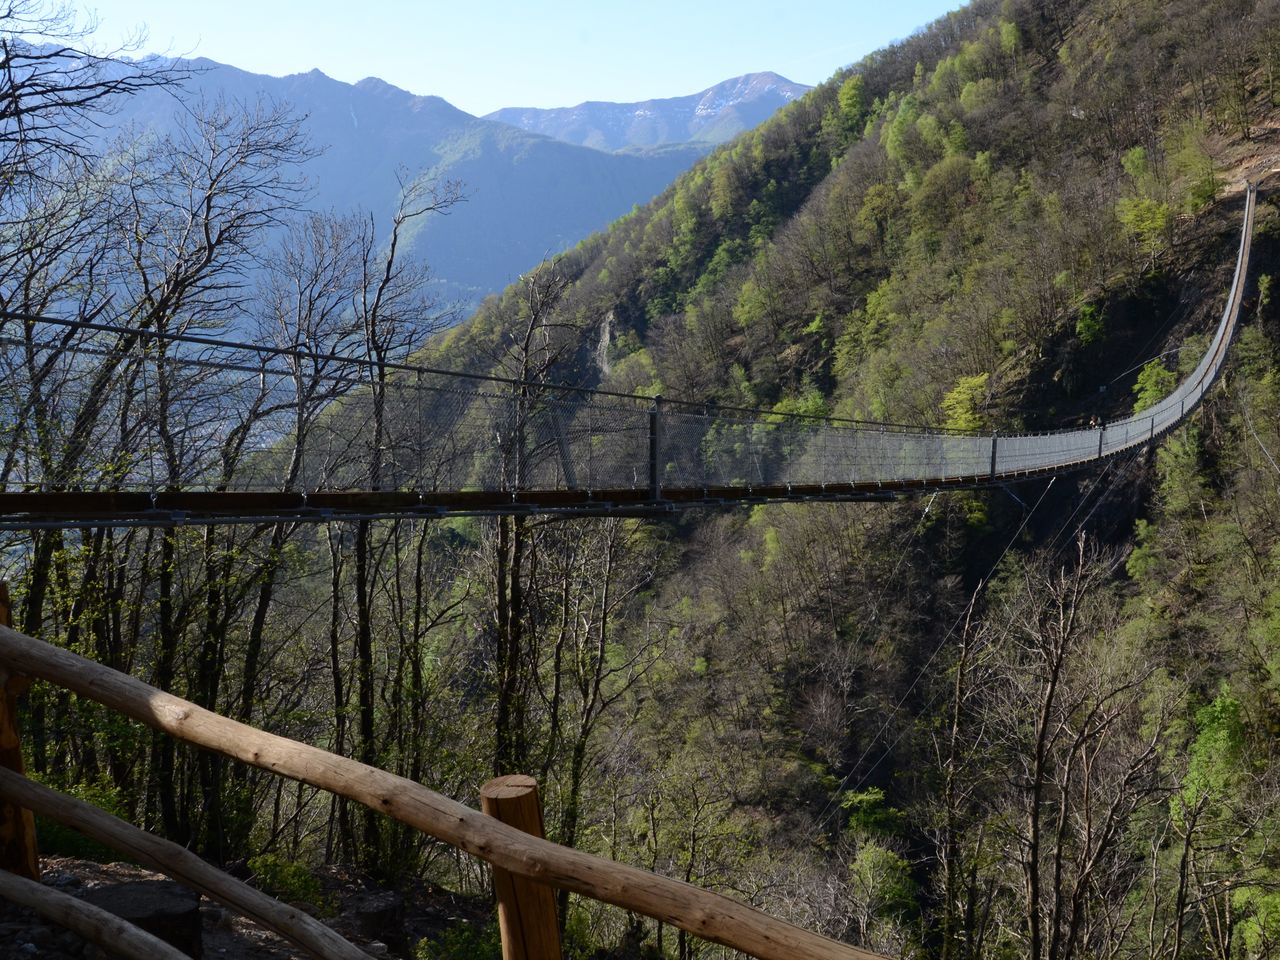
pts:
[109, 425]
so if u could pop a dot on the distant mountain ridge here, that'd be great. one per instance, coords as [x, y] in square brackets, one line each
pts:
[528, 196]
[711, 116]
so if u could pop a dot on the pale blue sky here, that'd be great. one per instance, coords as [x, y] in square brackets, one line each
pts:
[485, 54]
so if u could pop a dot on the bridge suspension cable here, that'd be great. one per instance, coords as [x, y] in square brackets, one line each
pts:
[108, 425]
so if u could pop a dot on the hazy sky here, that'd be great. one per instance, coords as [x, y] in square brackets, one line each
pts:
[485, 54]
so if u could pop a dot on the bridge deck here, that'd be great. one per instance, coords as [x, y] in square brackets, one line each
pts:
[106, 425]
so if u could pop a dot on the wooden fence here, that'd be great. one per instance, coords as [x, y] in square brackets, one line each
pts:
[507, 834]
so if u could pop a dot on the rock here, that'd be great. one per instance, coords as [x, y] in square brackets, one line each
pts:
[60, 879]
[69, 942]
[219, 918]
[380, 916]
[41, 936]
[376, 949]
[164, 909]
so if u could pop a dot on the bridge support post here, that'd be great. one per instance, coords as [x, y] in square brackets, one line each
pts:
[655, 449]
[17, 824]
[526, 909]
[993, 456]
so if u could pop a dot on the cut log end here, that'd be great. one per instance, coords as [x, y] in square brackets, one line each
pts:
[510, 787]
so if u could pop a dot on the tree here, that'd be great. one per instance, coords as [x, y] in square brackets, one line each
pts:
[393, 313]
[53, 87]
[881, 894]
[853, 104]
[590, 573]
[1065, 707]
[537, 343]
[1155, 382]
[962, 405]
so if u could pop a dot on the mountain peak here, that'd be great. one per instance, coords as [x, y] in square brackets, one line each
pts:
[713, 115]
[377, 83]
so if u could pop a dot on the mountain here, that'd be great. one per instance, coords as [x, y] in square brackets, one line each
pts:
[527, 196]
[1023, 723]
[715, 115]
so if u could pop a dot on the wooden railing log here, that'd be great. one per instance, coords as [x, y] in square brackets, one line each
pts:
[700, 912]
[526, 909]
[182, 865]
[116, 937]
[17, 825]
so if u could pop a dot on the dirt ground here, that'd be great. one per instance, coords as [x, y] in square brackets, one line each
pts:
[422, 912]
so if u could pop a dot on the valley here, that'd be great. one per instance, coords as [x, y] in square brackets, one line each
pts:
[1006, 717]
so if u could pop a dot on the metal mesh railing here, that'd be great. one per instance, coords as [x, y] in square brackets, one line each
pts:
[94, 407]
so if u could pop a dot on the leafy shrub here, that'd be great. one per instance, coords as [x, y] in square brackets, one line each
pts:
[289, 881]
[1155, 381]
[1147, 221]
[53, 838]
[962, 404]
[1089, 325]
[462, 942]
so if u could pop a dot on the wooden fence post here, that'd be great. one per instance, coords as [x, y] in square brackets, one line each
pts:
[17, 824]
[526, 908]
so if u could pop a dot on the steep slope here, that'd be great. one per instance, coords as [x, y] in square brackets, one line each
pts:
[1017, 216]
[713, 116]
[528, 196]
[1039, 722]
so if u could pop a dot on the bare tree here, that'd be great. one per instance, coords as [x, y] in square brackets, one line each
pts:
[1064, 705]
[54, 89]
[394, 313]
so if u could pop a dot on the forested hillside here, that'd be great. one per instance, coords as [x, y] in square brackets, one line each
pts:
[1035, 723]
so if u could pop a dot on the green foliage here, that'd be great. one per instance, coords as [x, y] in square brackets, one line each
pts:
[853, 103]
[942, 193]
[1143, 558]
[1010, 38]
[462, 941]
[1146, 220]
[55, 839]
[869, 815]
[1178, 463]
[753, 306]
[1090, 324]
[1191, 160]
[636, 373]
[1154, 383]
[879, 206]
[880, 883]
[1137, 165]
[808, 402]
[288, 880]
[962, 404]
[901, 136]
[977, 94]
[1216, 751]
[1259, 930]
[947, 79]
